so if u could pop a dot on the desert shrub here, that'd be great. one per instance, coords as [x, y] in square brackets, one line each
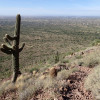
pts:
[96, 42]
[65, 61]
[32, 86]
[78, 56]
[91, 61]
[29, 88]
[27, 93]
[92, 82]
[6, 86]
[80, 63]
[64, 74]
[50, 83]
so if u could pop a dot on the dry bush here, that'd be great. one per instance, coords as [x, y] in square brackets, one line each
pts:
[27, 93]
[93, 82]
[64, 74]
[93, 58]
[50, 83]
[4, 86]
[27, 90]
[90, 59]
[30, 88]
[28, 85]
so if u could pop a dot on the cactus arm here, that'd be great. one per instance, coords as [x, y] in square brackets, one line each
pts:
[12, 47]
[6, 51]
[6, 47]
[10, 38]
[22, 47]
[7, 42]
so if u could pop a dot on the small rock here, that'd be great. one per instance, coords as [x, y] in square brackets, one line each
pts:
[42, 77]
[34, 73]
[55, 99]
[53, 72]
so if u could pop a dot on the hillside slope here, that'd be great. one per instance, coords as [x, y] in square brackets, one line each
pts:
[45, 36]
[76, 77]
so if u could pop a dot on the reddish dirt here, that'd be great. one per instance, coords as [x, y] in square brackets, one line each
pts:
[9, 95]
[74, 90]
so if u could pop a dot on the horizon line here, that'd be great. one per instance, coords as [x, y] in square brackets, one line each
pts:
[51, 15]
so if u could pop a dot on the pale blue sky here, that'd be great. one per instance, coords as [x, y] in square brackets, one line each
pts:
[50, 7]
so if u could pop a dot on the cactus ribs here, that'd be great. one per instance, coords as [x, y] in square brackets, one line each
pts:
[13, 48]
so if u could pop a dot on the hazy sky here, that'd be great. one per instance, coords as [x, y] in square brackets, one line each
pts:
[50, 7]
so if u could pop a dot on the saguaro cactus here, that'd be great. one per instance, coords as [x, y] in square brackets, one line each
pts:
[12, 47]
[57, 57]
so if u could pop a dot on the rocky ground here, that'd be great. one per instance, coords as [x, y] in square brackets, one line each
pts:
[74, 89]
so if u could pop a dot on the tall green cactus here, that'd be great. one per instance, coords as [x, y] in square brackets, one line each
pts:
[13, 48]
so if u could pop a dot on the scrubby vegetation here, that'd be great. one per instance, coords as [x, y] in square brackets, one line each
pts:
[92, 82]
[45, 36]
[28, 85]
[55, 63]
[66, 78]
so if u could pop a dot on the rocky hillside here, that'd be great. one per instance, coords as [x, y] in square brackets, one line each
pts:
[76, 77]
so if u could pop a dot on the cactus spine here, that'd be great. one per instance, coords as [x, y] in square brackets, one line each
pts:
[13, 48]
